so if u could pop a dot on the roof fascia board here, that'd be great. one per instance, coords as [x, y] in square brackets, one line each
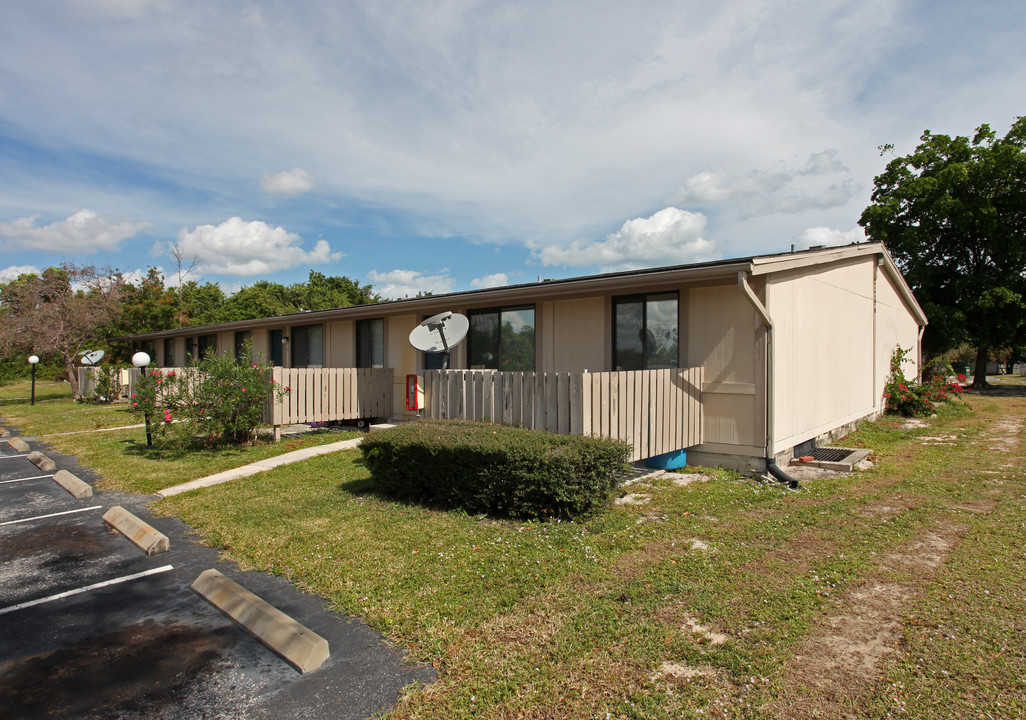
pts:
[779, 263]
[641, 281]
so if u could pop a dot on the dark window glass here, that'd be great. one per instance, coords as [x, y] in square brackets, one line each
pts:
[190, 350]
[434, 361]
[169, 352]
[276, 343]
[370, 343]
[207, 345]
[241, 337]
[646, 332]
[307, 346]
[502, 339]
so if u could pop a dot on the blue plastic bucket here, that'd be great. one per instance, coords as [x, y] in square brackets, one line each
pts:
[668, 461]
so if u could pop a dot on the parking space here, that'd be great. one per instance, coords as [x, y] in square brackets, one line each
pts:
[94, 627]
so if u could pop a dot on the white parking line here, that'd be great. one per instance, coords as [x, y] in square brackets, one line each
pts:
[36, 477]
[87, 588]
[43, 517]
[5, 457]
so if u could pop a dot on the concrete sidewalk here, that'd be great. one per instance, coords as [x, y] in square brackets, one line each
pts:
[260, 466]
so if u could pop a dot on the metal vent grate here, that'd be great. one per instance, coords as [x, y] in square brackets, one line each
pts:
[830, 454]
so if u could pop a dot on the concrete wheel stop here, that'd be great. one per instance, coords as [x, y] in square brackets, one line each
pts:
[296, 644]
[145, 537]
[73, 484]
[18, 444]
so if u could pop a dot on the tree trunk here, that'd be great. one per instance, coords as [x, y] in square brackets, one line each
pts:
[980, 373]
[72, 373]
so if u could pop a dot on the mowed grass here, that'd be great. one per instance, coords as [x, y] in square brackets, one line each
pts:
[108, 439]
[701, 600]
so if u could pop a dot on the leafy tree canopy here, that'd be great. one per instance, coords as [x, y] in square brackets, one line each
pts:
[953, 215]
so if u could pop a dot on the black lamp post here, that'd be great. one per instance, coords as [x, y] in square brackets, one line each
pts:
[141, 360]
[33, 361]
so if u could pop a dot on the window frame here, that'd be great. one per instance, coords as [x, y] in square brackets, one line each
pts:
[359, 344]
[643, 299]
[293, 345]
[471, 314]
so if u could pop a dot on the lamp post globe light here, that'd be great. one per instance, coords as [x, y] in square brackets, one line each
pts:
[141, 360]
[33, 361]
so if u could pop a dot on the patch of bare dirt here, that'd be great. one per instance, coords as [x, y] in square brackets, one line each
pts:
[843, 654]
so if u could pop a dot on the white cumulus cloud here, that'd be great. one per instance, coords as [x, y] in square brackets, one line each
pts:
[490, 281]
[823, 235]
[409, 283]
[247, 248]
[764, 192]
[288, 183]
[12, 273]
[669, 237]
[82, 233]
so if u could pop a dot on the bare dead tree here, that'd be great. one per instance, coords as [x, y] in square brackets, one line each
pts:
[58, 313]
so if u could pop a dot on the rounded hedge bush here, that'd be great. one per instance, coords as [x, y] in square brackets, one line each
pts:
[496, 469]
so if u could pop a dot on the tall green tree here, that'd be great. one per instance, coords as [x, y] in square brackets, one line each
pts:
[953, 215]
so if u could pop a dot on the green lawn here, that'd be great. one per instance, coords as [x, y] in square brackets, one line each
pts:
[121, 456]
[693, 604]
[896, 592]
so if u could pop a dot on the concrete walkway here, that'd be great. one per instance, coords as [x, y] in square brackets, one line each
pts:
[260, 466]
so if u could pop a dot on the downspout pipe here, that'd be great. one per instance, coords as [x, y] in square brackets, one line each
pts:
[771, 463]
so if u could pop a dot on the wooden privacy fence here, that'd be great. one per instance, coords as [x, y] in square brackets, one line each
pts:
[656, 411]
[315, 395]
[326, 394]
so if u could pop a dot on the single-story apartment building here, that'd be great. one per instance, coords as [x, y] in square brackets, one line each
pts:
[792, 347]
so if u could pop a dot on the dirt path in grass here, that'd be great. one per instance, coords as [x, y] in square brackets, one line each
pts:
[847, 649]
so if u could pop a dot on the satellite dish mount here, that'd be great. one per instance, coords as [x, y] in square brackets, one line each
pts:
[440, 333]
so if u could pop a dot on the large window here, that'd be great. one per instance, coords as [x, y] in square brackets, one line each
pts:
[307, 344]
[502, 339]
[169, 352]
[370, 343]
[645, 332]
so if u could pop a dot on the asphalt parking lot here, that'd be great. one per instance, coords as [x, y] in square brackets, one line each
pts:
[92, 627]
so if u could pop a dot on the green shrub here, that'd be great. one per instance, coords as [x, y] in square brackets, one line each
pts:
[219, 400]
[910, 397]
[496, 469]
[108, 385]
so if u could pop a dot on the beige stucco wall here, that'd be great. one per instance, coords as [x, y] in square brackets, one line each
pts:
[723, 337]
[340, 344]
[823, 349]
[895, 327]
[573, 335]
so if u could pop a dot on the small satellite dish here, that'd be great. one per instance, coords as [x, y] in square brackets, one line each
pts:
[440, 333]
[91, 358]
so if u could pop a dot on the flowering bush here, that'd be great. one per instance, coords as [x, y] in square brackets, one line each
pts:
[910, 397]
[218, 400]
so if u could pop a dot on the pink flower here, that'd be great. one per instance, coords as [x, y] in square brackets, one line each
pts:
[167, 417]
[243, 389]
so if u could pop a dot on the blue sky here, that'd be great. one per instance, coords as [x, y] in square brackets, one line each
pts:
[446, 146]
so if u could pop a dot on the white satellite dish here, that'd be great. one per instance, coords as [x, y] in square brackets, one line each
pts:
[440, 333]
[91, 358]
